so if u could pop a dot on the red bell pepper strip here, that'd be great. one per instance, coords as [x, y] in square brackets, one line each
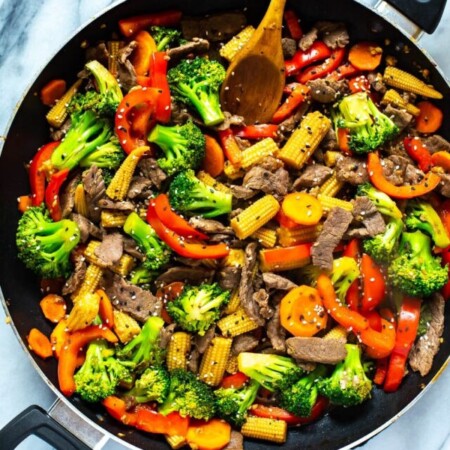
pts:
[359, 84]
[140, 58]
[117, 408]
[153, 422]
[379, 343]
[158, 79]
[293, 24]
[418, 152]
[374, 286]
[302, 58]
[69, 354]
[375, 169]
[344, 71]
[132, 121]
[374, 320]
[174, 221]
[131, 25]
[323, 69]
[285, 221]
[380, 371]
[235, 381]
[179, 244]
[52, 193]
[343, 139]
[37, 174]
[230, 147]
[166, 294]
[295, 99]
[408, 323]
[352, 250]
[259, 131]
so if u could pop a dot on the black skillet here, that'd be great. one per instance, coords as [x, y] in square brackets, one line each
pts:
[337, 429]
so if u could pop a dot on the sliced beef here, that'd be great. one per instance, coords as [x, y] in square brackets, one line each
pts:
[216, 27]
[236, 441]
[327, 91]
[229, 278]
[261, 297]
[111, 249]
[180, 114]
[125, 70]
[191, 275]
[244, 343]
[99, 53]
[139, 188]
[289, 47]
[197, 46]
[400, 117]
[313, 175]
[76, 278]
[150, 169]
[413, 175]
[277, 282]
[59, 133]
[242, 192]
[202, 342]
[194, 360]
[376, 82]
[334, 228]
[67, 197]
[137, 302]
[94, 187]
[166, 335]
[352, 170]
[357, 233]
[365, 211]
[130, 247]
[191, 262]
[260, 179]
[444, 185]
[241, 142]
[87, 228]
[318, 350]
[209, 226]
[329, 142]
[308, 39]
[396, 147]
[275, 332]
[423, 352]
[436, 143]
[334, 34]
[286, 127]
[122, 205]
[394, 168]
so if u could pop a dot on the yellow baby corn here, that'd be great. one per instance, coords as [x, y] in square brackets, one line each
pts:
[332, 186]
[394, 98]
[113, 219]
[234, 302]
[237, 323]
[84, 311]
[93, 276]
[338, 332]
[330, 158]
[257, 152]
[215, 360]
[232, 172]
[179, 346]
[175, 441]
[113, 53]
[210, 181]
[267, 429]
[236, 258]
[125, 326]
[328, 203]
[58, 114]
[266, 237]
[232, 366]
[233, 46]
[80, 203]
[295, 236]
[124, 266]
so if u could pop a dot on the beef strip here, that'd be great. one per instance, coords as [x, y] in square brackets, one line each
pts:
[246, 289]
[413, 175]
[400, 117]
[376, 82]
[236, 441]
[191, 275]
[286, 127]
[230, 120]
[139, 188]
[329, 142]
[99, 53]
[314, 349]
[289, 47]
[209, 226]
[327, 91]
[67, 197]
[131, 299]
[229, 278]
[277, 282]
[365, 211]
[394, 168]
[424, 350]
[191, 262]
[60, 133]
[87, 228]
[111, 249]
[313, 175]
[444, 185]
[202, 342]
[166, 335]
[396, 147]
[94, 187]
[334, 34]
[150, 169]
[275, 332]
[244, 343]
[77, 276]
[308, 39]
[126, 74]
[436, 143]
[261, 297]
[334, 228]
[243, 144]
[122, 205]
[130, 247]
[194, 360]
[352, 170]
[195, 47]
[260, 179]
[357, 233]
[242, 192]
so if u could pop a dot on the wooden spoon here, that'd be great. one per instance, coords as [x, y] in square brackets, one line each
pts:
[255, 79]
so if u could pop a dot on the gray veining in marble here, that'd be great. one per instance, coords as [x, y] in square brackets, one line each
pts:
[31, 31]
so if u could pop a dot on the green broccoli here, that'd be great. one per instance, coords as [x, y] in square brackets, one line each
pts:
[183, 146]
[232, 404]
[384, 204]
[189, 396]
[300, 398]
[107, 156]
[166, 37]
[382, 246]
[152, 386]
[348, 385]
[43, 245]
[422, 216]
[190, 195]
[100, 374]
[144, 349]
[156, 252]
[369, 128]
[141, 276]
[345, 271]
[415, 271]
[425, 318]
[198, 307]
[86, 133]
[196, 82]
[274, 372]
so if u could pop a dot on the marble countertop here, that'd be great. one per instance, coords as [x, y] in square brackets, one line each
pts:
[30, 33]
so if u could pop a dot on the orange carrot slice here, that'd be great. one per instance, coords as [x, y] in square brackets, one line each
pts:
[302, 208]
[365, 55]
[53, 307]
[39, 343]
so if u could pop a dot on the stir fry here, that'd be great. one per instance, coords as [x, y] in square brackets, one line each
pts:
[210, 279]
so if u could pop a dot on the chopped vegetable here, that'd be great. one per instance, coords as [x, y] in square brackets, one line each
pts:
[53, 91]
[39, 343]
[429, 119]
[302, 208]
[53, 307]
[365, 55]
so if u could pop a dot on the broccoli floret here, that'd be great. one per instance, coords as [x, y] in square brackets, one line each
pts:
[87, 132]
[144, 349]
[189, 396]
[190, 195]
[196, 82]
[183, 146]
[198, 307]
[232, 404]
[274, 372]
[43, 245]
[166, 37]
[415, 271]
[300, 398]
[384, 204]
[382, 246]
[348, 385]
[345, 271]
[152, 386]
[107, 156]
[425, 318]
[156, 252]
[100, 374]
[369, 128]
[142, 277]
[422, 216]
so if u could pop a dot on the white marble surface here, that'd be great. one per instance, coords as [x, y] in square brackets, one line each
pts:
[30, 33]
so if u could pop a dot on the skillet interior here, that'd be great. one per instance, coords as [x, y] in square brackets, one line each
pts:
[20, 288]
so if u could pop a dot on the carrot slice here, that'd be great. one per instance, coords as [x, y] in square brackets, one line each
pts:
[441, 159]
[302, 312]
[59, 336]
[53, 91]
[53, 307]
[39, 343]
[365, 55]
[430, 118]
[211, 435]
[24, 202]
[214, 158]
[140, 57]
[302, 208]
[106, 310]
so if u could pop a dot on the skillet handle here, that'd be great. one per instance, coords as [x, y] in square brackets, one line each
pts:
[424, 13]
[35, 421]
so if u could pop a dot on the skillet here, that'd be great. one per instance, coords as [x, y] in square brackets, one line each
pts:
[338, 428]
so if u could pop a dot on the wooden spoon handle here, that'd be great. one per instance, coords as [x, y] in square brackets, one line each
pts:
[274, 14]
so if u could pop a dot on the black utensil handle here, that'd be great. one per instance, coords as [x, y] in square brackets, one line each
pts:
[35, 421]
[424, 13]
